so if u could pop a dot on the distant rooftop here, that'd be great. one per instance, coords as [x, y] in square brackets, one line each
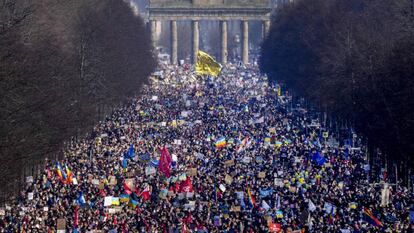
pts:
[209, 3]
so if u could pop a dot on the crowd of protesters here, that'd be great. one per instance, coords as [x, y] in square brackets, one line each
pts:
[209, 154]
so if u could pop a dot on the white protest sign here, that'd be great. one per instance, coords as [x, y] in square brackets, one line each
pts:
[29, 179]
[95, 182]
[279, 182]
[190, 195]
[188, 103]
[30, 196]
[108, 201]
[246, 159]
[174, 158]
[184, 114]
[149, 170]
[222, 187]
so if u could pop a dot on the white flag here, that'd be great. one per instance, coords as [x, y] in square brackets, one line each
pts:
[311, 206]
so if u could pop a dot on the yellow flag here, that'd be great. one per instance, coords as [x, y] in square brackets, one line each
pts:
[206, 65]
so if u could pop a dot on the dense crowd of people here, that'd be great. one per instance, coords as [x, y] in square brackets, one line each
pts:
[234, 158]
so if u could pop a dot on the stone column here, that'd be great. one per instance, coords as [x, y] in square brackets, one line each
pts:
[153, 28]
[266, 28]
[224, 50]
[196, 40]
[158, 29]
[245, 41]
[174, 42]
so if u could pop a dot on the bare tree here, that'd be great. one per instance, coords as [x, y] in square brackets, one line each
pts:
[344, 55]
[61, 61]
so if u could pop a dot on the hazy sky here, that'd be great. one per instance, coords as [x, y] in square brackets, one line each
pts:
[141, 4]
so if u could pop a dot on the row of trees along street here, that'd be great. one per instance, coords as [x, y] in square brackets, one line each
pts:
[64, 66]
[354, 59]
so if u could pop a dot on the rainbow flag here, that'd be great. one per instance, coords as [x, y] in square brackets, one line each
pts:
[69, 175]
[370, 218]
[60, 173]
[220, 143]
[251, 198]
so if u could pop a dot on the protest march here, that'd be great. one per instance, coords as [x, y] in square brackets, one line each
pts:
[209, 153]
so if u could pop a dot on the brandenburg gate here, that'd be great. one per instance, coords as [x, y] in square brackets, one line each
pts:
[196, 10]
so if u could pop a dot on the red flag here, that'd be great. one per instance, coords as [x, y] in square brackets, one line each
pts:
[188, 219]
[146, 194]
[177, 187]
[124, 227]
[127, 188]
[184, 230]
[76, 217]
[49, 173]
[165, 162]
[186, 186]
[115, 220]
[136, 190]
[102, 193]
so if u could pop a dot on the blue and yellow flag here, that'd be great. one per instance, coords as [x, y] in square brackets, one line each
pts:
[124, 198]
[206, 65]
[133, 203]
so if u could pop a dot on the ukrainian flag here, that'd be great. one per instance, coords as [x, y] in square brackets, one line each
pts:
[124, 198]
[206, 65]
[279, 214]
[133, 203]
[115, 201]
